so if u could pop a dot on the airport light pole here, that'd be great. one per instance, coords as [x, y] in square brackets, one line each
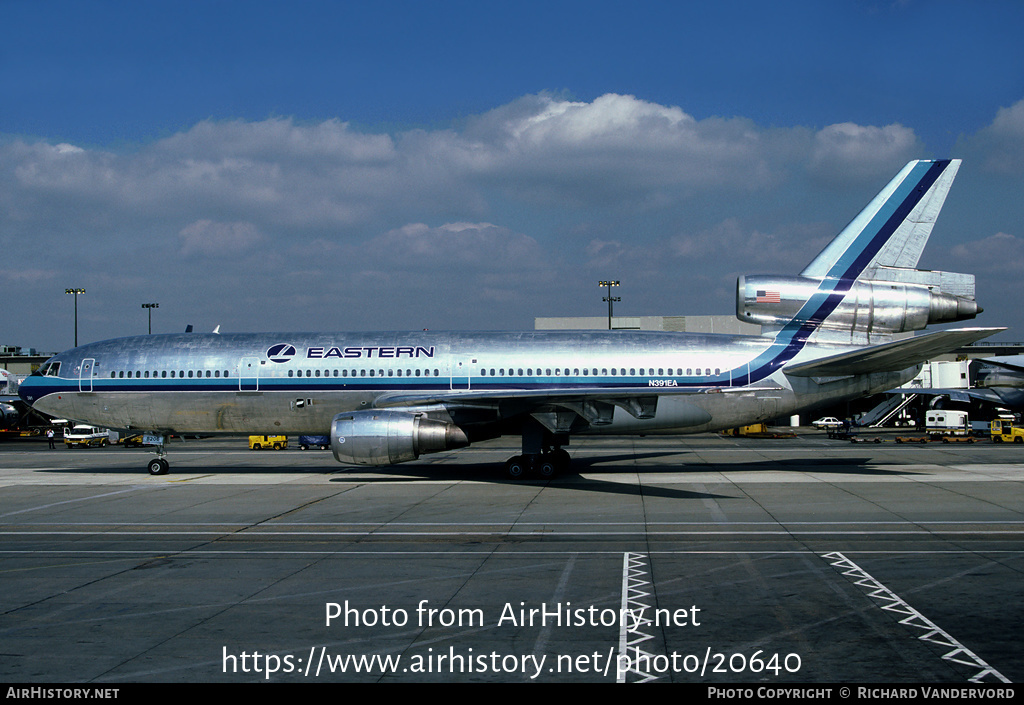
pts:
[76, 292]
[150, 307]
[608, 285]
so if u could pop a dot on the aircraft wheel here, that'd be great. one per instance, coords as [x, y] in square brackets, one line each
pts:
[562, 459]
[547, 468]
[515, 467]
[158, 466]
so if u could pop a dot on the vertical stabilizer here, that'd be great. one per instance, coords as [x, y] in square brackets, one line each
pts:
[894, 228]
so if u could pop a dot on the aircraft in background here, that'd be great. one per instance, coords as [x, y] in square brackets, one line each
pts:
[1006, 381]
[8, 399]
[386, 398]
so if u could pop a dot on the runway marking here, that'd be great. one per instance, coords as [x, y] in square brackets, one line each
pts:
[636, 588]
[72, 501]
[933, 633]
[474, 553]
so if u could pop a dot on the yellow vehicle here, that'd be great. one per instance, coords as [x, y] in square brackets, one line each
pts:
[1003, 431]
[261, 442]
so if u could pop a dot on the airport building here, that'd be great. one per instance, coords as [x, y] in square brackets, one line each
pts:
[19, 361]
[677, 324]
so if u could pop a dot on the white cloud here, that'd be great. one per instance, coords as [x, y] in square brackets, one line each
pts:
[1000, 146]
[452, 246]
[518, 206]
[847, 152]
[204, 237]
[996, 255]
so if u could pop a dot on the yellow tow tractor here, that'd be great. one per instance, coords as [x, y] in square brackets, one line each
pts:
[1003, 431]
[261, 442]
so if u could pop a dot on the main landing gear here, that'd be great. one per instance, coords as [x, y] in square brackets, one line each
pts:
[542, 454]
[546, 464]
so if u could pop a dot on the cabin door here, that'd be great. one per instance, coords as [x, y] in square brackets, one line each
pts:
[85, 374]
[249, 374]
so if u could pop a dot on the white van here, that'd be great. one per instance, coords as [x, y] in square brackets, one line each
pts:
[947, 423]
[86, 437]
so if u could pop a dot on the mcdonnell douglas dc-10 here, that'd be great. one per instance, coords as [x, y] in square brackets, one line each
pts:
[827, 335]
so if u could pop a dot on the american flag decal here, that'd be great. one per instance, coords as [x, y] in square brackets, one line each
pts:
[766, 296]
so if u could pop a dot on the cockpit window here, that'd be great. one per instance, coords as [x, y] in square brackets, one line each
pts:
[49, 369]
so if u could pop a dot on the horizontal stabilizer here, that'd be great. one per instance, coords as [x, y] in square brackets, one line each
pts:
[890, 357]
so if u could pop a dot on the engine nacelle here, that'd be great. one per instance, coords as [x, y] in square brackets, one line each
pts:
[870, 307]
[386, 437]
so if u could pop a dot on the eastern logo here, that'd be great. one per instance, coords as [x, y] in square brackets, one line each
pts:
[282, 352]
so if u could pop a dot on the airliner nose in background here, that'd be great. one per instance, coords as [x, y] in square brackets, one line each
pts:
[385, 398]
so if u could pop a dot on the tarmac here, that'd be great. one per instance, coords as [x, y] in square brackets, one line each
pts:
[692, 559]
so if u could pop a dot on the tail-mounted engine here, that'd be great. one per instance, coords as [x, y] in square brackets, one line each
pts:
[387, 437]
[897, 300]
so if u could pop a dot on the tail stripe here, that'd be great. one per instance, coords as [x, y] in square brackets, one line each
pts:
[841, 276]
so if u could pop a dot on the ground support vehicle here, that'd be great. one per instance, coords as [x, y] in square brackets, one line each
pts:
[86, 437]
[321, 442]
[262, 442]
[1003, 431]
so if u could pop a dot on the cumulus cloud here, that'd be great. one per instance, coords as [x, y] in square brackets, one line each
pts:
[998, 255]
[1000, 146]
[847, 152]
[454, 245]
[519, 204]
[615, 152]
[207, 238]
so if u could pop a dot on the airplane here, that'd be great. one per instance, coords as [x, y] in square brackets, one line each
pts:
[8, 399]
[1006, 381]
[828, 335]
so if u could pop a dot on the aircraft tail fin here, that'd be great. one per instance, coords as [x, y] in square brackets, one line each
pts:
[864, 287]
[893, 228]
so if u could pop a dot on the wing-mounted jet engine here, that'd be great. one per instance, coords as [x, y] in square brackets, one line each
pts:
[386, 437]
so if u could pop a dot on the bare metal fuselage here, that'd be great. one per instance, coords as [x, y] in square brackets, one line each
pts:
[297, 383]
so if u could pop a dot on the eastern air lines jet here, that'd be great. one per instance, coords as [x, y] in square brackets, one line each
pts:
[385, 398]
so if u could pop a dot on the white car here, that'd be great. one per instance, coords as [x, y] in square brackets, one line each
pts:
[826, 422]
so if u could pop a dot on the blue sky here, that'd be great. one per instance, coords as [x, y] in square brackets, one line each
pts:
[385, 165]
